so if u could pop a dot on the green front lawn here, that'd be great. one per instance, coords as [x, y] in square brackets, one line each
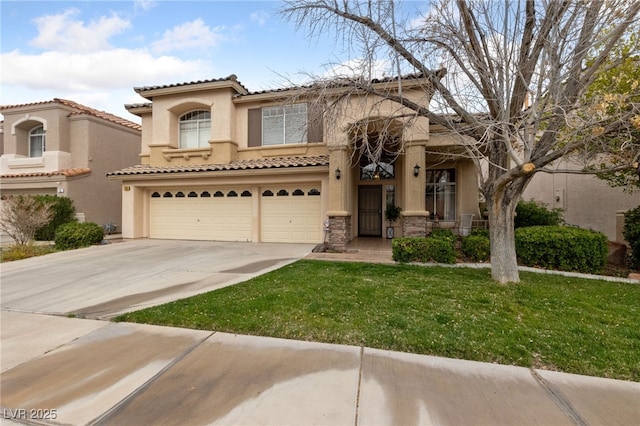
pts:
[547, 321]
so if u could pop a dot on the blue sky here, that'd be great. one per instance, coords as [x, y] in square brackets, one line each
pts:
[96, 52]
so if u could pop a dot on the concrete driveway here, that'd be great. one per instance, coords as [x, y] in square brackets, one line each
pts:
[103, 281]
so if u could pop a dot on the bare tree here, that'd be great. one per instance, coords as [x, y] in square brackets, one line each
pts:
[514, 91]
[22, 216]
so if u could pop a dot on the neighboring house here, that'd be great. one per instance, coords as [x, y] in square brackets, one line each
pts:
[62, 148]
[222, 163]
[587, 201]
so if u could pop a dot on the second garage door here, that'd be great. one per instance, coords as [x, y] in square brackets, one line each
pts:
[291, 214]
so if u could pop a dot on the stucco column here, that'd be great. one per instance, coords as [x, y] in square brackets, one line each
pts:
[339, 184]
[415, 216]
[133, 211]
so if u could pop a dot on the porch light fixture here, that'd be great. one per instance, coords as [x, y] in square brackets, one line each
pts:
[338, 174]
[416, 170]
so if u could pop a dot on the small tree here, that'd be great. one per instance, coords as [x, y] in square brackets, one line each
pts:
[22, 216]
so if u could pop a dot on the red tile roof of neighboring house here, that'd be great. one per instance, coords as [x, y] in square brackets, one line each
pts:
[81, 109]
[265, 163]
[66, 173]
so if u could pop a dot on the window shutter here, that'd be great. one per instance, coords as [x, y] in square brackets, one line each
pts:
[314, 123]
[255, 127]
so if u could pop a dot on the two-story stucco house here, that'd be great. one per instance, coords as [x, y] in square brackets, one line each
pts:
[222, 163]
[62, 148]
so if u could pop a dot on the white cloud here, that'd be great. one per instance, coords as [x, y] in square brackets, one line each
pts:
[189, 35]
[259, 17]
[114, 68]
[144, 5]
[62, 32]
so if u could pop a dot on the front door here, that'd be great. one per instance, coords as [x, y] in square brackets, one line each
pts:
[370, 211]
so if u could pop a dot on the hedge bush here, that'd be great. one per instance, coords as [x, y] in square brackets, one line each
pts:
[562, 247]
[529, 213]
[444, 234]
[63, 212]
[480, 231]
[631, 233]
[75, 235]
[476, 247]
[417, 249]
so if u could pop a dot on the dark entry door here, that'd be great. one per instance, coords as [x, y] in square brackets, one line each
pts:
[370, 211]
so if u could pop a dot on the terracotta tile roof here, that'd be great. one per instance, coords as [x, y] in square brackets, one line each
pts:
[81, 109]
[340, 82]
[232, 77]
[66, 173]
[265, 163]
[336, 83]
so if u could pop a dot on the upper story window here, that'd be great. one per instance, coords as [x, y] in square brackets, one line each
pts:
[36, 141]
[195, 129]
[284, 124]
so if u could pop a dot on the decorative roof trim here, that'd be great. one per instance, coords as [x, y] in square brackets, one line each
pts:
[66, 173]
[231, 81]
[261, 164]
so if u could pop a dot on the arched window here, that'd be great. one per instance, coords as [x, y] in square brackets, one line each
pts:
[195, 129]
[36, 142]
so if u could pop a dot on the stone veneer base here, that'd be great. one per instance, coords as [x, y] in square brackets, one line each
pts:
[339, 232]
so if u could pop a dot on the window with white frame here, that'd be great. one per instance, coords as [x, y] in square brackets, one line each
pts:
[36, 141]
[441, 194]
[195, 129]
[284, 124]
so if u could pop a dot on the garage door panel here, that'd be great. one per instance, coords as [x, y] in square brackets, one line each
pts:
[290, 218]
[201, 218]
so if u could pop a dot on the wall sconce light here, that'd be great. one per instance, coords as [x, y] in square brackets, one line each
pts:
[338, 174]
[416, 170]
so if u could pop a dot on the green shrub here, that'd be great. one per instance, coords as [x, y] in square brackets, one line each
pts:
[416, 249]
[476, 247]
[562, 247]
[480, 232]
[443, 234]
[63, 212]
[529, 213]
[74, 235]
[631, 233]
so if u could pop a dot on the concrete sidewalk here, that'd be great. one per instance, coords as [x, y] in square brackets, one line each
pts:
[75, 371]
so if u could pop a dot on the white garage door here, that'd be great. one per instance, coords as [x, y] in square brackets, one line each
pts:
[209, 214]
[291, 214]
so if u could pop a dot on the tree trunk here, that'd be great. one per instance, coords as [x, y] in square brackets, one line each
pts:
[504, 263]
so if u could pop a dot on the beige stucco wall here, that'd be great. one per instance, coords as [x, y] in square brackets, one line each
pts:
[103, 147]
[588, 202]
